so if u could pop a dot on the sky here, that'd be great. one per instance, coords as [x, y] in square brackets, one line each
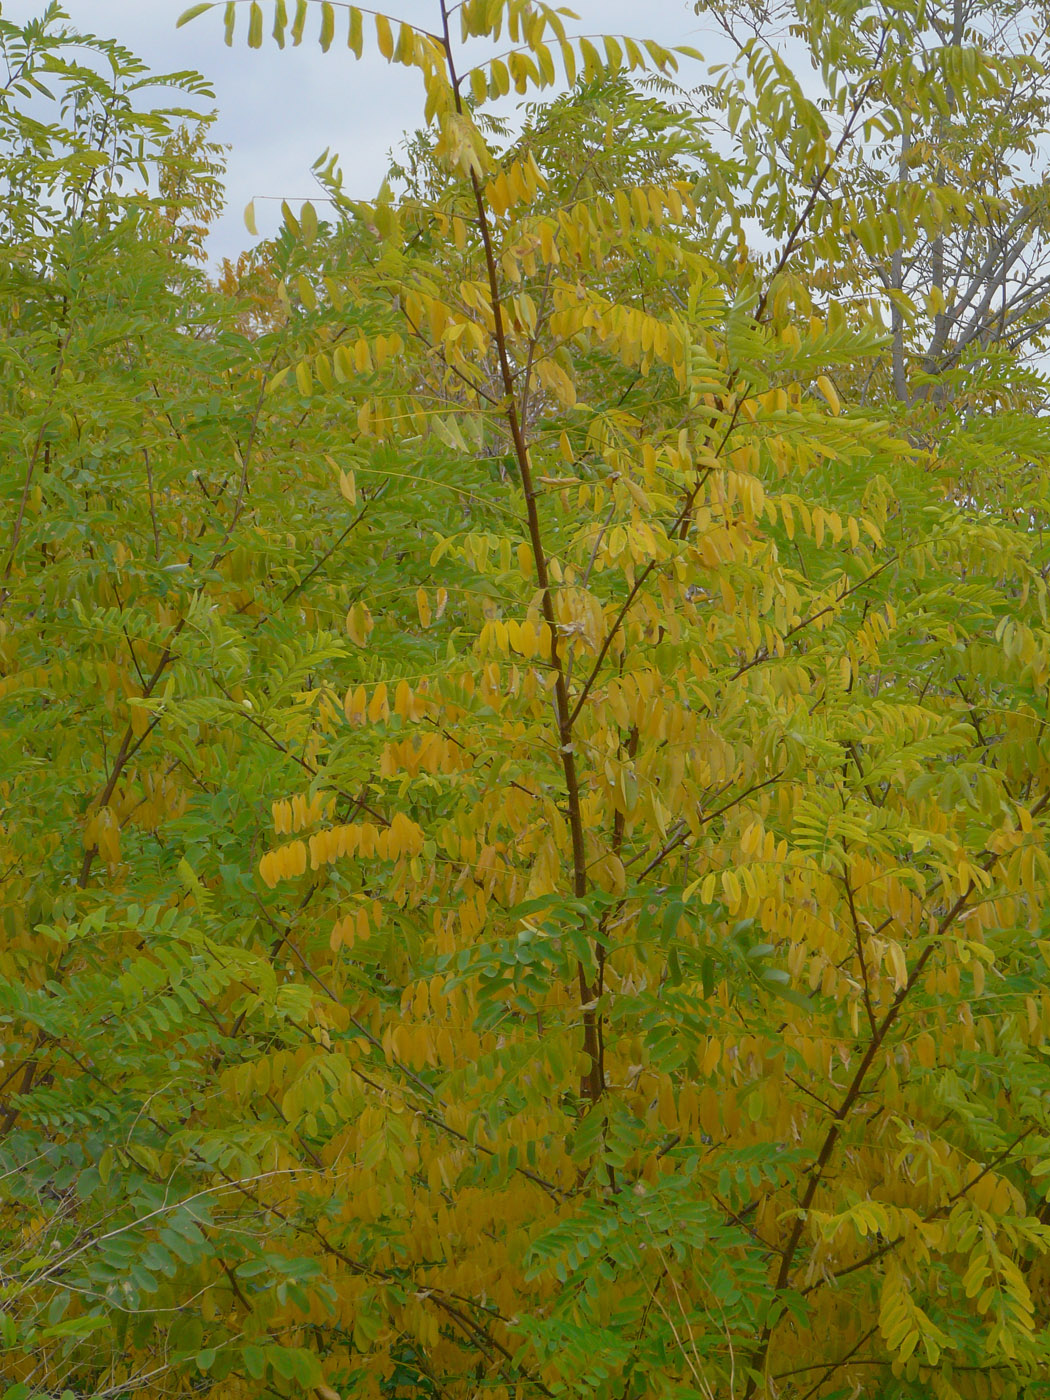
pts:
[278, 110]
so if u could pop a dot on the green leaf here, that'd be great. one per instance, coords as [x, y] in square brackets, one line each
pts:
[255, 1362]
[255, 25]
[186, 1335]
[327, 26]
[299, 22]
[355, 32]
[280, 21]
[77, 1326]
[193, 12]
[306, 1369]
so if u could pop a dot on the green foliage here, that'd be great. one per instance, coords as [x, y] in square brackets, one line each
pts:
[524, 771]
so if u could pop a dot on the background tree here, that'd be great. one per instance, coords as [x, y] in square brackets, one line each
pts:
[897, 155]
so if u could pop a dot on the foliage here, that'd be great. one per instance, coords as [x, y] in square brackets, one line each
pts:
[908, 170]
[524, 800]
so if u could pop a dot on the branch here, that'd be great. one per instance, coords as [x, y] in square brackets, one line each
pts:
[853, 1092]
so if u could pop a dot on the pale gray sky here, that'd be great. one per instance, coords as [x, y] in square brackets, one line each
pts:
[278, 110]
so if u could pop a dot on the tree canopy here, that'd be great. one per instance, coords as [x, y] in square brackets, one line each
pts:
[523, 715]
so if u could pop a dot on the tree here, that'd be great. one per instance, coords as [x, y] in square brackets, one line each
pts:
[914, 176]
[595, 945]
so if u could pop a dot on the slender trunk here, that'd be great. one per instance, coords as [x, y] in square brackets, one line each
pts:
[593, 1082]
[900, 378]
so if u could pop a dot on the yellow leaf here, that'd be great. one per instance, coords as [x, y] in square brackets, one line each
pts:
[898, 964]
[323, 370]
[327, 25]
[379, 706]
[355, 38]
[359, 624]
[384, 36]
[343, 363]
[355, 705]
[829, 391]
[406, 48]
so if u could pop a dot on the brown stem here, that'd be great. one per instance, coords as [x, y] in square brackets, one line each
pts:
[129, 746]
[762, 653]
[593, 1085]
[807, 209]
[38, 446]
[152, 503]
[845, 1108]
[679, 523]
[859, 941]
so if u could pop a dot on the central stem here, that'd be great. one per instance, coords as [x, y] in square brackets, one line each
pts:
[592, 1084]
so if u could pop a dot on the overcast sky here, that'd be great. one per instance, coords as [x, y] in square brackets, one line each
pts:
[278, 110]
